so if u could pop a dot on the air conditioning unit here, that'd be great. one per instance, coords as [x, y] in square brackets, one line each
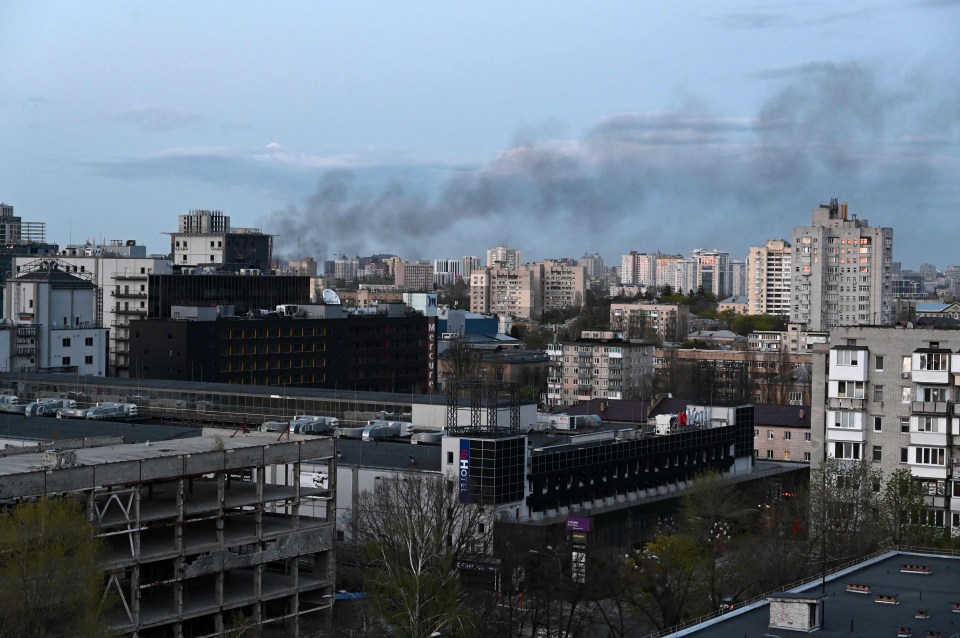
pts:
[904, 375]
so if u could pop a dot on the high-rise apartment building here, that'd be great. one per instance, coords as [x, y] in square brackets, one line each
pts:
[505, 291]
[527, 291]
[638, 268]
[841, 271]
[769, 269]
[593, 264]
[888, 395]
[736, 278]
[447, 271]
[564, 286]
[469, 264]
[503, 257]
[712, 271]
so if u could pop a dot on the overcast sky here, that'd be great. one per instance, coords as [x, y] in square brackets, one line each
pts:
[439, 129]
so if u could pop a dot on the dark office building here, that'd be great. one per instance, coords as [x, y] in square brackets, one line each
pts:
[376, 353]
[243, 292]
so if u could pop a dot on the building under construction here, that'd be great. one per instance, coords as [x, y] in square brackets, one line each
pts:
[200, 533]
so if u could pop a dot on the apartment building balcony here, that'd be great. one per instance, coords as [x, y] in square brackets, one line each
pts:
[131, 276]
[930, 407]
[128, 294]
[928, 471]
[929, 439]
[851, 435]
[843, 403]
[138, 312]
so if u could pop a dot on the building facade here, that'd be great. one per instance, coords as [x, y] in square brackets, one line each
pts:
[200, 531]
[504, 257]
[670, 322]
[600, 365]
[889, 396]
[121, 270]
[416, 277]
[842, 271]
[205, 239]
[54, 323]
[769, 276]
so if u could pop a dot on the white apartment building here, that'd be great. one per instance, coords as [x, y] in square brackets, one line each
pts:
[599, 365]
[121, 270]
[447, 271]
[676, 272]
[841, 271]
[889, 395]
[504, 257]
[638, 268]
[52, 325]
[769, 270]
[416, 277]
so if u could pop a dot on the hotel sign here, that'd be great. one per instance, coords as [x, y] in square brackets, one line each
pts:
[464, 470]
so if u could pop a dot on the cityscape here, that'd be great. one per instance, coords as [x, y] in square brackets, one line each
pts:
[435, 321]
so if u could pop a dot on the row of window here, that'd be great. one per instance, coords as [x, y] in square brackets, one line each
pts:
[921, 456]
[787, 435]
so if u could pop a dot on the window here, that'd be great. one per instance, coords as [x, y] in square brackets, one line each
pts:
[878, 394]
[66, 342]
[934, 361]
[878, 363]
[66, 361]
[904, 454]
[850, 389]
[927, 424]
[88, 360]
[877, 453]
[934, 394]
[907, 365]
[449, 458]
[807, 437]
[769, 454]
[929, 456]
[770, 435]
[786, 436]
[88, 341]
[786, 455]
[878, 424]
[796, 397]
[806, 457]
[846, 450]
[847, 357]
[904, 424]
[756, 434]
[844, 420]
[905, 395]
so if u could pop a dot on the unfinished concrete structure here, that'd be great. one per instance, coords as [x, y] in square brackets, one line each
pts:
[201, 533]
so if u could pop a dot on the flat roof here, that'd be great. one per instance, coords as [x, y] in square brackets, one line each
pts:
[858, 614]
[44, 428]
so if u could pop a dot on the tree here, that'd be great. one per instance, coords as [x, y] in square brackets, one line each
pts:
[50, 581]
[843, 509]
[461, 362]
[414, 530]
[666, 580]
[902, 508]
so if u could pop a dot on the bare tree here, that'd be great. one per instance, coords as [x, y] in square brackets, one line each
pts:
[414, 532]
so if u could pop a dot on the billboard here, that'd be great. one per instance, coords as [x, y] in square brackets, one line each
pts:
[464, 470]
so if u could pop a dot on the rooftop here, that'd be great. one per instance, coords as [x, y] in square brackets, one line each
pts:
[850, 612]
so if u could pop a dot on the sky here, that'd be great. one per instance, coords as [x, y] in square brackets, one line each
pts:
[439, 129]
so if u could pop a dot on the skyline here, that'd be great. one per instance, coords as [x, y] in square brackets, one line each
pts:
[435, 130]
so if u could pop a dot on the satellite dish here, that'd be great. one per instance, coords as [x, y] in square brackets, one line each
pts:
[330, 297]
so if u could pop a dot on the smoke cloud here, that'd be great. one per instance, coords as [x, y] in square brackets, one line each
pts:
[665, 181]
